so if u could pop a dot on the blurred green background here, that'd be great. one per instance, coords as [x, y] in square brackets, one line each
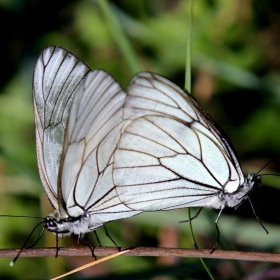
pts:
[235, 76]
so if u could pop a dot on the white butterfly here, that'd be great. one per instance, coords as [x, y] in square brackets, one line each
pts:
[104, 154]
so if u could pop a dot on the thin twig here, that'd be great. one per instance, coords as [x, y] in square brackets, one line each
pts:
[143, 251]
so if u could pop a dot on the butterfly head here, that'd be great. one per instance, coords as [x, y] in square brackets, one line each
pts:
[257, 180]
[61, 227]
[251, 181]
[65, 226]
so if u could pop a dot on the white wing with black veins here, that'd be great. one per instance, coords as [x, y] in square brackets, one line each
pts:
[57, 74]
[171, 155]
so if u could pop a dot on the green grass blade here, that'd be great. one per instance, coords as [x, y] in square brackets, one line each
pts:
[189, 49]
[188, 88]
[120, 37]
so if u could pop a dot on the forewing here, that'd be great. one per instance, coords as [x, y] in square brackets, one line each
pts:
[56, 76]
[172, 154]
[93, 131]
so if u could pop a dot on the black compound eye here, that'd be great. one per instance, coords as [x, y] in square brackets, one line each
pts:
[257, 180]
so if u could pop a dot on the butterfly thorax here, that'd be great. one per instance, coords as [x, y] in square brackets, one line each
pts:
[234, 199]
[66, 226]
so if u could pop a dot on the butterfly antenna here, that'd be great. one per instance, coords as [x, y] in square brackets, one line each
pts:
[23, 246]
[271, 174]
[258, 219]
[12, 216]
[270, 161]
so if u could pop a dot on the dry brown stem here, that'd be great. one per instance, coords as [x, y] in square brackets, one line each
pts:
[143, 251]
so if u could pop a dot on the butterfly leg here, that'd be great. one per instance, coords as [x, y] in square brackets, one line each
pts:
[88, 243]
[218, 231]
[107, 234]
[194, 217]
[258, 219]
[97, 238]
[56, 245]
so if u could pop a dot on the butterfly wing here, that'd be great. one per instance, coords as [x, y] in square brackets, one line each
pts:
[172, 155]
[56, 76]
[93, 131]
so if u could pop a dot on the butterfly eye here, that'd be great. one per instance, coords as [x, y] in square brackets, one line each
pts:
[257, 180]
[50, 224]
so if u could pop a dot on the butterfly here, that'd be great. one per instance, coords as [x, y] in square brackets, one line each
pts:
[106, 154]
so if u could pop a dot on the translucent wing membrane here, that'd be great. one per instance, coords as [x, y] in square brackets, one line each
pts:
[93, 131]
[56, 76]
[171, 155]
[78, 116]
